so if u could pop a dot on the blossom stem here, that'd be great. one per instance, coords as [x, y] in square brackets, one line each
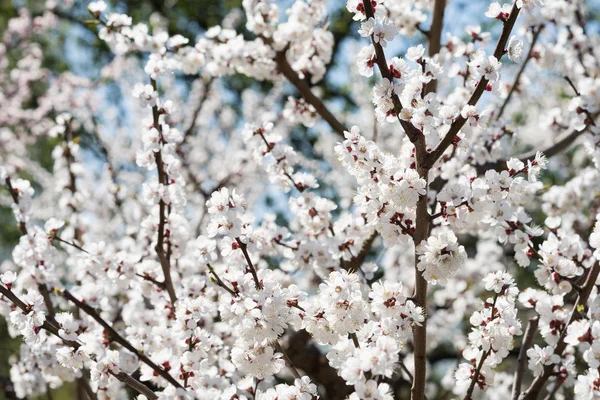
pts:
[49, 327]
[513, 88]
[23, 228]
[118, 338]
[481, 86]
[163, 179]
[522, 359]
[244, 249]
[538, 383]
[434, 37]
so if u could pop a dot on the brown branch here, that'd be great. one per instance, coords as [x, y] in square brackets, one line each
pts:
[435, 37]
[306, 355]
[550, 151]
[244, 249]
[288, 362]
[475, 377]
[355, 263]
[413, 133]
[422, 225]
[43, 289]
[536, 35]
[163, 179]
[522, 359]
[538, 383]
[49, 327]
[484, 356]
[135, 385]
[120, 339]
[305, 90]
[481, 86]
[83, 384]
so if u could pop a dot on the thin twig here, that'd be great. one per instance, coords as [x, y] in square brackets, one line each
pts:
[481, 86]
[434, 37]
[536, 35]
[120, 339]
[538, 383]
[163, 179]
[289, 363]
[522, 359]
[134, 384]
[49, 327]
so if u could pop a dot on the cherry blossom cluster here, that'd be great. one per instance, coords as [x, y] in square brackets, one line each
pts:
[495, 325]
[388, 188]
[278, 159]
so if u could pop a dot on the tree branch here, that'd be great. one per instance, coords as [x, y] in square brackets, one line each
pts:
[305, 90]
[355, 263]
[135, 385]
[536, 35]
[412, 132]
[48, 327]
[435, 37]
[481, 86]
[120, 339]
[536, 386]
[163, 179]
[550, 151]
[522, 359]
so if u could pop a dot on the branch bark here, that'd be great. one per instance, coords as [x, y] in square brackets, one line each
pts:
[410, 130]
[522, 359]
[305, 90]
[538, 383]
[49, 327]
[120, 339]
[435, 37]
[536, 35]
[163, 179]
[481, 86]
